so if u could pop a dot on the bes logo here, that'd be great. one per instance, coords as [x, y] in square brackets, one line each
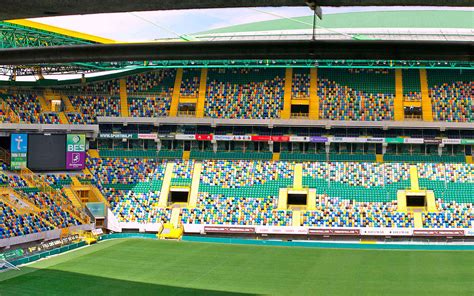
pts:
[76, 144]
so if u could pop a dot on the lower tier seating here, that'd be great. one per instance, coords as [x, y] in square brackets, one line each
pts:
[219, 209]
[336, 212]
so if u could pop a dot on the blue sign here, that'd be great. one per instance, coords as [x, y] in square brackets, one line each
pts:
[19, 143]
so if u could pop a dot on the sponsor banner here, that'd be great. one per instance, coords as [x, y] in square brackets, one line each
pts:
[299, 139]
[467, 141]
[166, 137]
[223, 137]
[147, 136]
[11, 255]
[318, 139]
[242, 138]
[228, 229]
[203, 137]
[280, 138]
[281, 230]
[75, 152]
[375, 140]
[193, 228]
[432, 141]
[75, 160]
[413, 141]
[347, 140]
[184, 137]
[386, 231]
[97, 231]
[334, 231]
[394, 140]
[469, 232]
[116, 136]
[438, 232]
[451, 141]
[19, 151]
[260, 138]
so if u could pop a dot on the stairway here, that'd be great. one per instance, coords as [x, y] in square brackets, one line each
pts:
[398, 102]
[37, 182]
[45, 107]
[283, 199]
[63, 118]
[418, 220]
[296, 220]
[165, 187]
[276, 156]
[176, 93]
[425, 97]
[73, 197]
[175, 216]
[414, 184]
[94, 154]
[20, 203]
[298, 176]
[124, 111]
[193, 194]
[202, 94]
[67, 104]
[286, 112]
[313, 95]
[75, 181]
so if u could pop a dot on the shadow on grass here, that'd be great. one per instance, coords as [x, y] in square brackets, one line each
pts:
[56, 282]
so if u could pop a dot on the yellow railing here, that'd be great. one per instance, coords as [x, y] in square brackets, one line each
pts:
[186, 113]
[299, 115]
[37, 182]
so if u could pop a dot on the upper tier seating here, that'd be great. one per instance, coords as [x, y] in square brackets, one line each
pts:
[300, 84]
[29, 110]
[157, 82]
[356, 94]
[452, 95]
[93, 106]
[106, 87]
[411, 84]
[150, 106]
[190, 83]
[244, 93]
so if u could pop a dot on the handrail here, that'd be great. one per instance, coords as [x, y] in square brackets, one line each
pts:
[53, 193]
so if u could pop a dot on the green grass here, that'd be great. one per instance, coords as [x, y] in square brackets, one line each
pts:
[149, 267]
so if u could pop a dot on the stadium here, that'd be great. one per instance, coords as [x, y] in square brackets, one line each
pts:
[325, 154]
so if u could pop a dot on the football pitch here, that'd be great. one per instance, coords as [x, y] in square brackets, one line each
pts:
[151, 267]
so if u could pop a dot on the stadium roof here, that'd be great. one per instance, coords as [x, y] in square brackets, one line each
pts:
[412, 25]
[453, 25]
[14, 9]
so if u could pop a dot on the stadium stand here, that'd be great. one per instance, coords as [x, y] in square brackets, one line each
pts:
[93, 106]
[451, 93]
[244, 93]
[335, 212]
[220, 209]
[352, 94]
[15, 224]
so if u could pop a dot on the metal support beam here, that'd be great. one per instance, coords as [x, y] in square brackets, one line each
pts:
[231, 50]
